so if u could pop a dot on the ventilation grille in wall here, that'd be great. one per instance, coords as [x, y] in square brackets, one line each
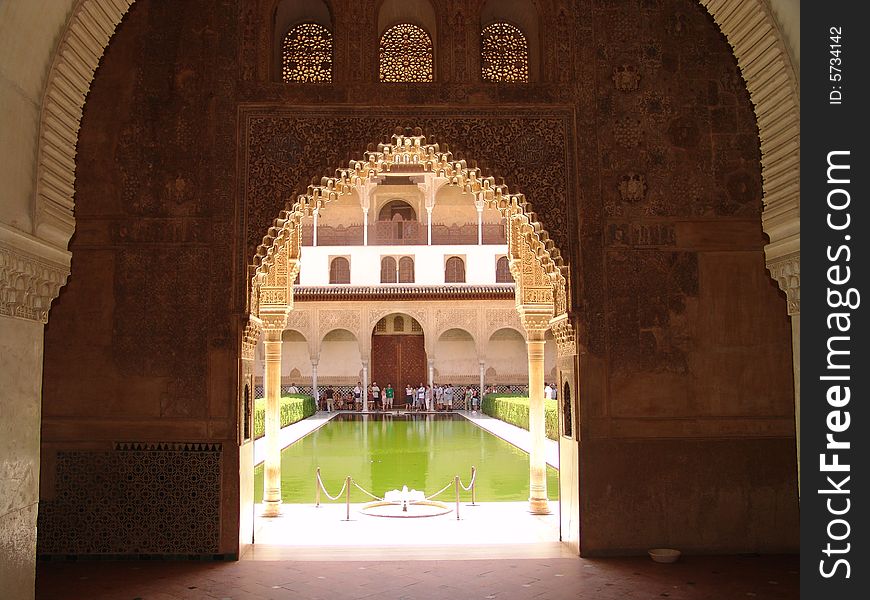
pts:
[143, 498]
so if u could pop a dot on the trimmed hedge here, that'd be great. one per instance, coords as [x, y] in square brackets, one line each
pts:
[515, 410]
[294, 407]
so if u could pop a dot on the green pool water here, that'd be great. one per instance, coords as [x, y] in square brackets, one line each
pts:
[423, 452]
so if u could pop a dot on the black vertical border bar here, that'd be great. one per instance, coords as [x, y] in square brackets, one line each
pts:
[826, 253]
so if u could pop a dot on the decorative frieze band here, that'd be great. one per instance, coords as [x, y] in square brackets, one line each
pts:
[787, 273]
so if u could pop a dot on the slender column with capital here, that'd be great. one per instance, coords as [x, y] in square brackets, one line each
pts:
[786, 270]
[482, 379]
[272, 384]
[429, 225]
[314, 390]
[365, 386]
[538, 503]
[365, 227]
[480, 225]
[431, 363]
[314, 231]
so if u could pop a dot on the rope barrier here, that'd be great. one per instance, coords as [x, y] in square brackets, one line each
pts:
[456, 483]
[471, 483]
[441, 491]
[365, 491]
[328, 495]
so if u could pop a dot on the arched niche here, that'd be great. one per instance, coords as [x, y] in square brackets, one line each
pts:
[416, 12]
[522, 14]
[340, 359]
[295, 358]
[507, 356]
[288, 14]
[456, 357]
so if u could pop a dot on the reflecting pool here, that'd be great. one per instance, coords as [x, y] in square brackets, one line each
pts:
[385, 452]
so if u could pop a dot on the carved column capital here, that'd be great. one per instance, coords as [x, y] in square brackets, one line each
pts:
[535, 320]
[28, 282]
[786, 271]
[273, 322]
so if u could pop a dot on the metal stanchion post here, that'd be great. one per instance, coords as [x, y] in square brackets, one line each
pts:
[347, 484]
[456, 484]
[317, 488]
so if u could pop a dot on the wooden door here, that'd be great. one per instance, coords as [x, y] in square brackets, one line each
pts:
[399, 360]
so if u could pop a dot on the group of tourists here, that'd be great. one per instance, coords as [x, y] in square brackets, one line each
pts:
[421, 398]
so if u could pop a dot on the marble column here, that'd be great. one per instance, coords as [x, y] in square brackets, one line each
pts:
[538, 503]
[480, 225]
[786, 270]
[482, 365]
[365, 227]
[272, 385]
[314, 230]
[365, 385]
[431, 371]
[314, 389]
[429, 225]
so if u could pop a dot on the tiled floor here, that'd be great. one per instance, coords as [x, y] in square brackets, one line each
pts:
[692, 578]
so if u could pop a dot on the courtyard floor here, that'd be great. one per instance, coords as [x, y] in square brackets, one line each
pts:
[691, 578]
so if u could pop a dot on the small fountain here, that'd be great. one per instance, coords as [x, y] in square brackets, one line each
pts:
[405, 503]
[404, 497]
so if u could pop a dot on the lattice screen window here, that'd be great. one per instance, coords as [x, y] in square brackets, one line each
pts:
[388, 269]
[307, 54]
[504, 54]
[503, 271]
[406, 54]
[339, 270]
[454, 270]
[381, 326]
[406, 270]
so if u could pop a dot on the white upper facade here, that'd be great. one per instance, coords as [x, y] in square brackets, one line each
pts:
[406, 229]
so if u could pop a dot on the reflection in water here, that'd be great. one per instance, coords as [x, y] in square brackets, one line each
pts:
[385, 452]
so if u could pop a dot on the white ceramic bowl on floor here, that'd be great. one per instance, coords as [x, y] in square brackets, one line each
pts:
[664, 555]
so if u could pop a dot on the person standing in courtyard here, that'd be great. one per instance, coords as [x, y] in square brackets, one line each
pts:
[357, 395]
[409, 397]
[292, 389]
[448, 397]
[439, 396]
[548, 392]
[469, 394]
[376, 396]
[389, 393]
[421, 397]
[330, 394]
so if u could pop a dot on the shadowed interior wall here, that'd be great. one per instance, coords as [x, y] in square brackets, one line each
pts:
[639, 150]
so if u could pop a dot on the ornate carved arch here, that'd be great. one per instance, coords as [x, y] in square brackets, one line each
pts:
[748, 25]
[543, 265]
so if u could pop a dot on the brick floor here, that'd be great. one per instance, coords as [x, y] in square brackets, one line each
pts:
[692, 578]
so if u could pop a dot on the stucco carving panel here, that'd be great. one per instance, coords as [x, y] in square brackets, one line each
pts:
[787, 273]
[349, 319]
[462, 319]
[300, 320]
[28, 284]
